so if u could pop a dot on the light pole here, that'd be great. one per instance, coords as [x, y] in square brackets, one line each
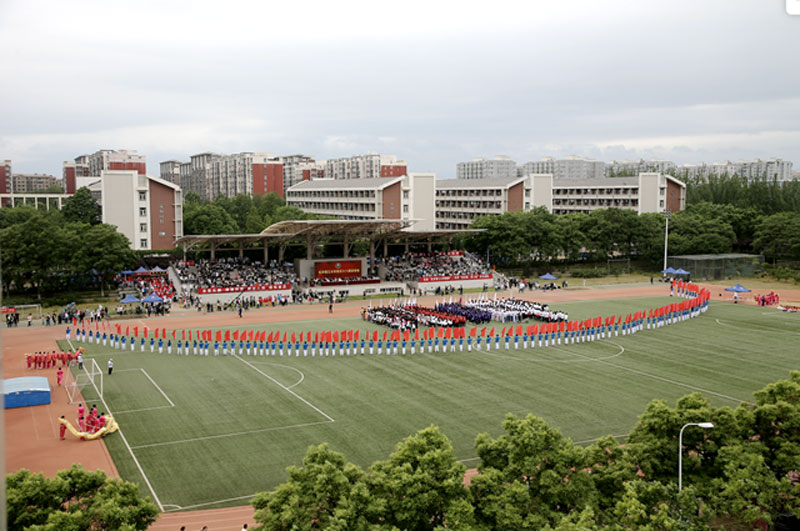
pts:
[705, 426]
[667, 213]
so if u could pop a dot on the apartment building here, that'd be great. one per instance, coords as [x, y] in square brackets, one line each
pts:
[148, 210]
[572, 167]
[410, 197]
[632, 168]
[25, 183]
[499, 167]
[369, 166]
[772, 169]
[5, 177]
[170, 170]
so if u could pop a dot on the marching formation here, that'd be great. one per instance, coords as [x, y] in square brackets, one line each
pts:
[411, 339]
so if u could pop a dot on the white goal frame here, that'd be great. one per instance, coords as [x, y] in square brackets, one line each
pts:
[90, 375]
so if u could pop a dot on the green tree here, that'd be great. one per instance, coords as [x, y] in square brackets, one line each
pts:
[103, 249]
[326, 492]
[208, 219]
[530, 477]
[778, 235]
[421, 484]
[81, 208]
[76, 500]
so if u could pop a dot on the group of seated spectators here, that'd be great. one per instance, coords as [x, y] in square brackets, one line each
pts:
[231, 272]
[342, 281]
[412, 266]
[411, 317]
[149, 284]
[513, 310]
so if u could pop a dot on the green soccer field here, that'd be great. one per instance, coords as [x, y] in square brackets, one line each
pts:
[212, 431]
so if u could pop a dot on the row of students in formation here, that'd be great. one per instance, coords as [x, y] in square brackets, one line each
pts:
[405, 346]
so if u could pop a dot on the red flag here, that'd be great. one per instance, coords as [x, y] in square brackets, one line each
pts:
[519, 330]
[250, 335]
[183, 334]
[127, 330]
[473, 332]
[190, 335]
[448, 333]
[228, 335]
[335, 336]
[503, 332]
[491, 332]
[173, 334]
[416, 334]
[294, 338]
[356, 335]
[235, 335]
[374, 335]
[219, 335]
[440, 333]
[316, 337]
[145, 332]
[406, 336]
[384, 335]
[74, 321]
[135, 331]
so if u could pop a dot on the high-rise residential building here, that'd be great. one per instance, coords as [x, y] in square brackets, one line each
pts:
[211, 175]
[410, 197]
[171, 171]
[25, 183]
[499, 167]
[116, 159]
[76, 173]
[369, 166]
[631, 168]
[571, 167]
[148, 210]
[5, 177]
[772, 169]
[298, 168]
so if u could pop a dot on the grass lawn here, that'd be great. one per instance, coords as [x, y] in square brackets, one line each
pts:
[205, 429]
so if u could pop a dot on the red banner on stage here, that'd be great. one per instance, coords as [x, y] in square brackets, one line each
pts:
[453, 278]
[237, 289]
[338, 269]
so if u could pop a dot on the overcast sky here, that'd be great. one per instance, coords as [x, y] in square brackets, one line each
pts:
[433, 82]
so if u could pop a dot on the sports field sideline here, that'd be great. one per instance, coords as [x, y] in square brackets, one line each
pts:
[212, 431]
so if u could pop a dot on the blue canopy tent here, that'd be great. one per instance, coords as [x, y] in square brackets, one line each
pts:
[681, 271]
[152, 298]
[141, 270]
[157, 269]
[548, 276]
[738, 288]
[126, 272]
[129, 299]
[669, 271]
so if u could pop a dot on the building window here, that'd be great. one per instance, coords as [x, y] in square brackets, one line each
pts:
[142, 211]
[405, 209]
[143, 242]
[142, 196]
[142, 227]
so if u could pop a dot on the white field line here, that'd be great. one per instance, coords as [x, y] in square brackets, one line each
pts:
[157, 387]
[236, 434]
[765, 330]
[265, 375]
[179, 508]
[124, 440]
[302, 375]
[143, 409]
[588, 358]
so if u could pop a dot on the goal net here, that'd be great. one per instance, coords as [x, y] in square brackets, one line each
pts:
[618, 266]
[84, 384]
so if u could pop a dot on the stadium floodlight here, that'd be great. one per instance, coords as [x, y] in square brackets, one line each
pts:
[705, 426]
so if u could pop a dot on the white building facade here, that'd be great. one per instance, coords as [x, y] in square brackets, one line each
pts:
[499, 167]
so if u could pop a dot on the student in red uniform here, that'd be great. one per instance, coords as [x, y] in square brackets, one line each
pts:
[94, 410]
[59, 375]
[81, 410]
[82, 423]
[91, 420]
[28, 360]
[62, 431]
[101, 421]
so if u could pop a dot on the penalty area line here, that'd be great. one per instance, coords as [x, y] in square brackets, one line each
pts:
[288, 390]
[179, 508]
[236, 434]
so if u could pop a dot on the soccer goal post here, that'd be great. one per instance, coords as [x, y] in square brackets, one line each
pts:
[618, 266]
[89, 378]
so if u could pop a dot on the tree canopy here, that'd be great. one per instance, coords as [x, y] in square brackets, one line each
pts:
[75, 499]
[81, 208]
[743, 473]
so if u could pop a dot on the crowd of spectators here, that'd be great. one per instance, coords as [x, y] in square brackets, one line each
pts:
[473, 315]
[514, 310]
[231, 272]
[412, 266]
[149, 284]
[323, 282]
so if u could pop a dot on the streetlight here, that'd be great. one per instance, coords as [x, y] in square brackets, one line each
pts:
[667, 213]
[705, 426]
